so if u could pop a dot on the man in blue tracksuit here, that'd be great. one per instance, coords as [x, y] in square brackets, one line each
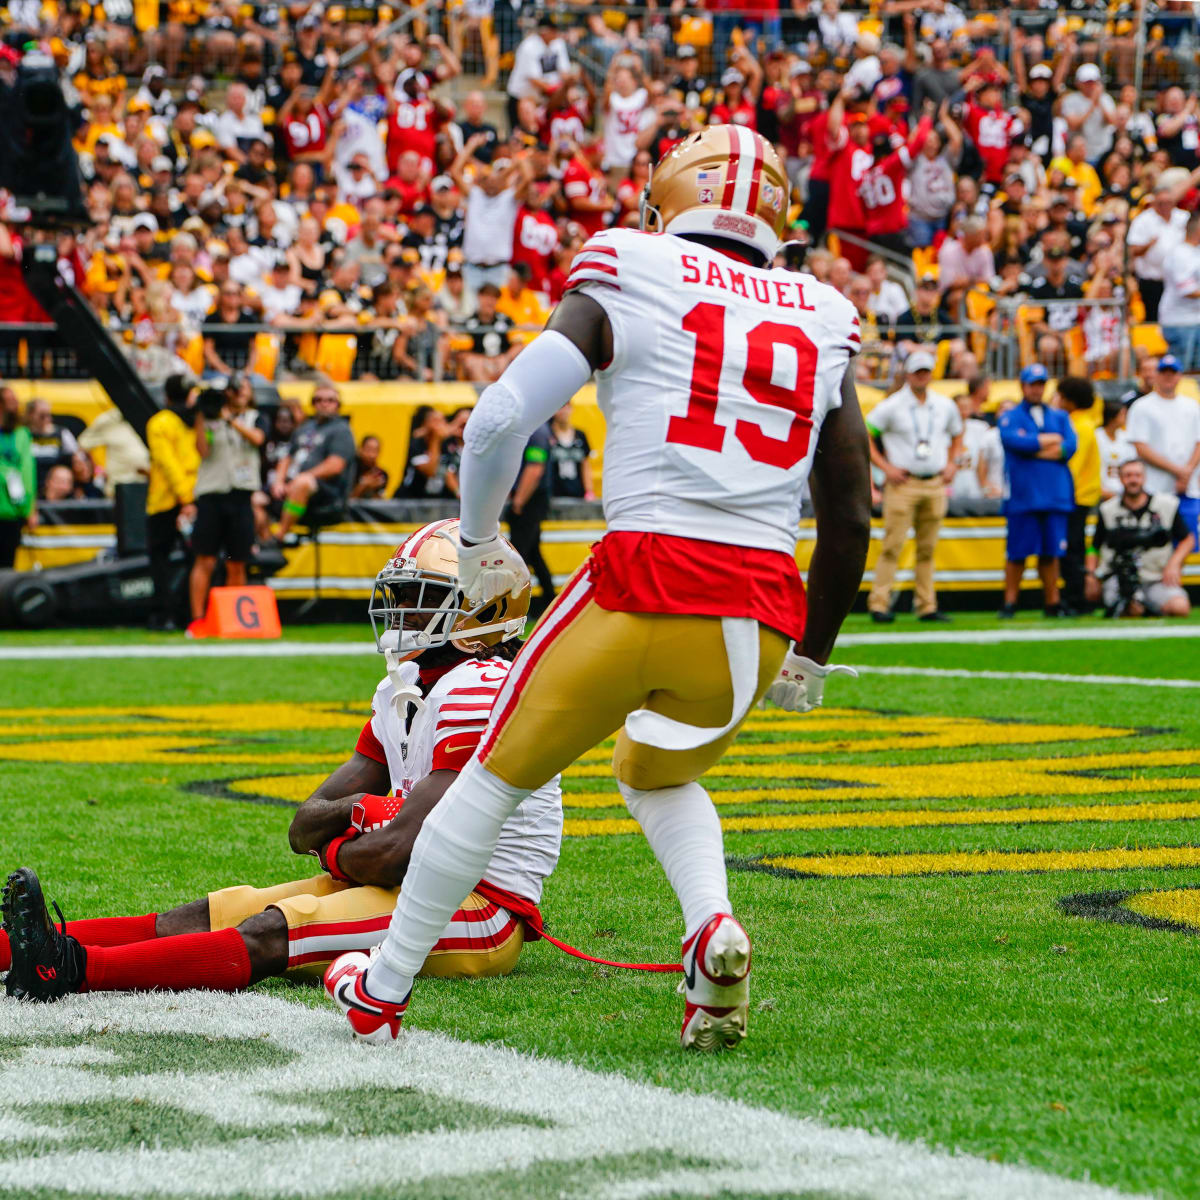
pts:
[1038, 440]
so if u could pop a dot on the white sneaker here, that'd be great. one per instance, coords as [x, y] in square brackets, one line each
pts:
[715, 985]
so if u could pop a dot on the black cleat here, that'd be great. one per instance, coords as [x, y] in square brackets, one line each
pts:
[47, 963]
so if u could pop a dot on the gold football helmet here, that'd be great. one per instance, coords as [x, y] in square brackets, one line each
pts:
[725, 180]
[416, 603]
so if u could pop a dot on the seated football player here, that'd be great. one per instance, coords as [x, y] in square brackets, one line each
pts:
[445, 665]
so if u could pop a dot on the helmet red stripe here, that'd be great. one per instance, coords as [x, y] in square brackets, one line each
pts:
[731, 169]
[756, 178]
[423, 535]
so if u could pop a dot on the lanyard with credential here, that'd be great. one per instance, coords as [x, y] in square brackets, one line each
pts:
[927, 437]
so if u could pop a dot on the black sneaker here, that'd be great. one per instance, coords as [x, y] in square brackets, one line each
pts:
[882, 618]
[936, 615]
[47, 964]
[1053, 611]
[1007, 612]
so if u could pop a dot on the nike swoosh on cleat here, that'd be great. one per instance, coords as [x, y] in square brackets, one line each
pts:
[350, 1002]
[689, 977]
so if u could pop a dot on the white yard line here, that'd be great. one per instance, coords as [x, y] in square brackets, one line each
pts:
[752, 1150]
[1036, 676]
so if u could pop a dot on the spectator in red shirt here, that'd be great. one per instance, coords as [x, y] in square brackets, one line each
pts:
[305, 121]
[410, 182]
[799, 106]
[989, 126]
[412, 125]
[535, 238]
[849, 164]
[569, 109]
[827, 139]
[737, 105]
[882, 189]
[584, 188]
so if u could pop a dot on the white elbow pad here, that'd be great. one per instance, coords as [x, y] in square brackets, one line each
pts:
[535, 385]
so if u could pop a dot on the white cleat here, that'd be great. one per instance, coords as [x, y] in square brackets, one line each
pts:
[371, 1019]
[715, 985]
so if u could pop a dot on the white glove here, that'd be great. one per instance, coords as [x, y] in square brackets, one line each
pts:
[800, 686]
[488, 570]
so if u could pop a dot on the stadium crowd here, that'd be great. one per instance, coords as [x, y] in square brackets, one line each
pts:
[308, 191]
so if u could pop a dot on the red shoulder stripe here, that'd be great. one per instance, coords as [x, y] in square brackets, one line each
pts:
[604, 268]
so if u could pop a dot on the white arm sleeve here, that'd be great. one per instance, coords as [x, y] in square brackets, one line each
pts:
[536, 384]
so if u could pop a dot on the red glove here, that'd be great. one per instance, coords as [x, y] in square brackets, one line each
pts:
[328, 857]
[374, 812]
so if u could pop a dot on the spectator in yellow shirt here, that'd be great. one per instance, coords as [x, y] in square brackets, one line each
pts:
[519, 302]
[1075, 166]
[1076, 397]
[170, 500]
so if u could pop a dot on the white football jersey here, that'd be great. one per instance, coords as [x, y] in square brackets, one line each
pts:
[451, 722]
[722, 375]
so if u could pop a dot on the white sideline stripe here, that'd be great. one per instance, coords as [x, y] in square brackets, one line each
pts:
[190, 650]
[1118, 631]
[588, 1115]
[1036, 676]
[1121, 632]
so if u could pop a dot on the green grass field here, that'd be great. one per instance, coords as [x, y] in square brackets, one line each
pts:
[901, 860]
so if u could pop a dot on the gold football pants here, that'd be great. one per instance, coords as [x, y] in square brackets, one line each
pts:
[585, 668]
[326, 917]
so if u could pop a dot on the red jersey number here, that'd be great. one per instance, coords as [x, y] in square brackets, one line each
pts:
[700, 428]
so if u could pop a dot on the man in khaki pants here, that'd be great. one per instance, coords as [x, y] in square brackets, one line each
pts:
[916, 438]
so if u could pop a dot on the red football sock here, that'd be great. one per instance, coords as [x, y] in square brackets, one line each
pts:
[217, 961]
[99, 931]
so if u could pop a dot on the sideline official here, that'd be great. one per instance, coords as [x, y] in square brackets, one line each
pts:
[916, 440]
[1038, 442]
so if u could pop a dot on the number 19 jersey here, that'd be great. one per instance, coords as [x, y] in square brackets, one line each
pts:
[721, 377]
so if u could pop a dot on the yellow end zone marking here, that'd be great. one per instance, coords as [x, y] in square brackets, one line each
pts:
[1182, 810]
[908, 735]
[1182, 906]
[987, 862]
[171, 750]
[296, 788]
[982, 780]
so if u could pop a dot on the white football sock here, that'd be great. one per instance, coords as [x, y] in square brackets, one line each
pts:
[683, 830]
[449, 858]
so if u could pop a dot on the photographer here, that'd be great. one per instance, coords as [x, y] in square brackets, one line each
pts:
[228, 438]
[1138, 571]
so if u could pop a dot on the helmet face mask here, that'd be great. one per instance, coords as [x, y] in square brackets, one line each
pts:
[416, 604]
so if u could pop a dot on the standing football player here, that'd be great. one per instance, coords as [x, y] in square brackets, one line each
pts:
[446, 663]
[724, 383]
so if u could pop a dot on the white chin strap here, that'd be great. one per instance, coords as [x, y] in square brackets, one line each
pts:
[416, 641]
[665, 733]
[404, 675]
